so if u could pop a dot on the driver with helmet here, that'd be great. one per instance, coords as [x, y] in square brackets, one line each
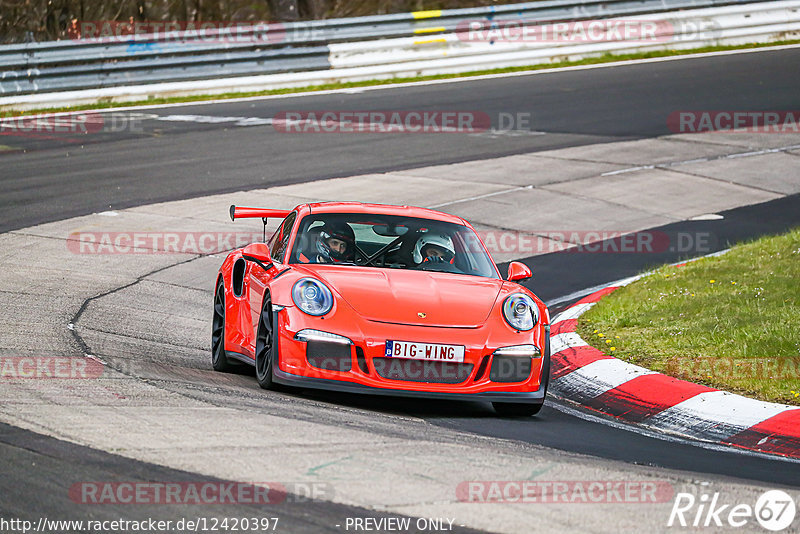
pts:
[434, 247]
[335, 243]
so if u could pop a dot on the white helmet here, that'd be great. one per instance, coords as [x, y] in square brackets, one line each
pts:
[440, 241]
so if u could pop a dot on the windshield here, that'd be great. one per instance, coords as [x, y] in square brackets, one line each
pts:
[390, 241]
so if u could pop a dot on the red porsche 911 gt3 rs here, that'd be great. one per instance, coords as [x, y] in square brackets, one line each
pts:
[389, 300]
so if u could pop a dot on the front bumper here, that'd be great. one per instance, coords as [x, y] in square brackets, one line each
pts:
[288, 379]
[292, 367]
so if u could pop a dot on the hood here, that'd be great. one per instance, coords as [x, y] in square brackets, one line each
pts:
[399, 296]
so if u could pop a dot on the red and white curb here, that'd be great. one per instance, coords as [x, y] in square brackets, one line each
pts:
[585, 375]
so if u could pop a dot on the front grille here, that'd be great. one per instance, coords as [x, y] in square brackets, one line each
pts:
[510, 369]
[422, 371]
[329, 356]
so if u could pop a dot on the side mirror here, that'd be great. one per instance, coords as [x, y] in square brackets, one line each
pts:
[518, 271]
[258, 253]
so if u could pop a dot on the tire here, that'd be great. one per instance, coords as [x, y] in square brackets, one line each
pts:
[264, 345]
[516, 408]
[218, 359]
[546, 367]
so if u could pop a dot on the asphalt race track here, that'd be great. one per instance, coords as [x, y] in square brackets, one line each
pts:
[35, 471]
[175, 160]
[53, 178]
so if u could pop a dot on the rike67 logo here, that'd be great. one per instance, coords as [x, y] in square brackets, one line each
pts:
[774, 510]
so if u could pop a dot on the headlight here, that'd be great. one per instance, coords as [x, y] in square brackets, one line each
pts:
[312, 296]
[520, 312]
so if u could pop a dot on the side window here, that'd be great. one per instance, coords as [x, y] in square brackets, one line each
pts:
[281, 239]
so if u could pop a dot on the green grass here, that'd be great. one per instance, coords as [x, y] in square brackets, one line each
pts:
[606, 58]
[730, 322]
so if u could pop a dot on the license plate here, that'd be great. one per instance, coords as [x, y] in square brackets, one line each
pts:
[425, 351]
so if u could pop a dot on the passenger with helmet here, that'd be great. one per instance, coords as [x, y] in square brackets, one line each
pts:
[434, 248]
[335, 243]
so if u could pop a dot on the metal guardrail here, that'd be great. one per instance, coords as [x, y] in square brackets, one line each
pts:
[694, 28]
[255, 50]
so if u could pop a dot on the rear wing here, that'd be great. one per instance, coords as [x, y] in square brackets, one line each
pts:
[240, 212]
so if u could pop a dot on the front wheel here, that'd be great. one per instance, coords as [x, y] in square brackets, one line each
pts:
[516, 408]
[264, 345]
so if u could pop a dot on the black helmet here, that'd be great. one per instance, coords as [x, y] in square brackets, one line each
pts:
[342, 232]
